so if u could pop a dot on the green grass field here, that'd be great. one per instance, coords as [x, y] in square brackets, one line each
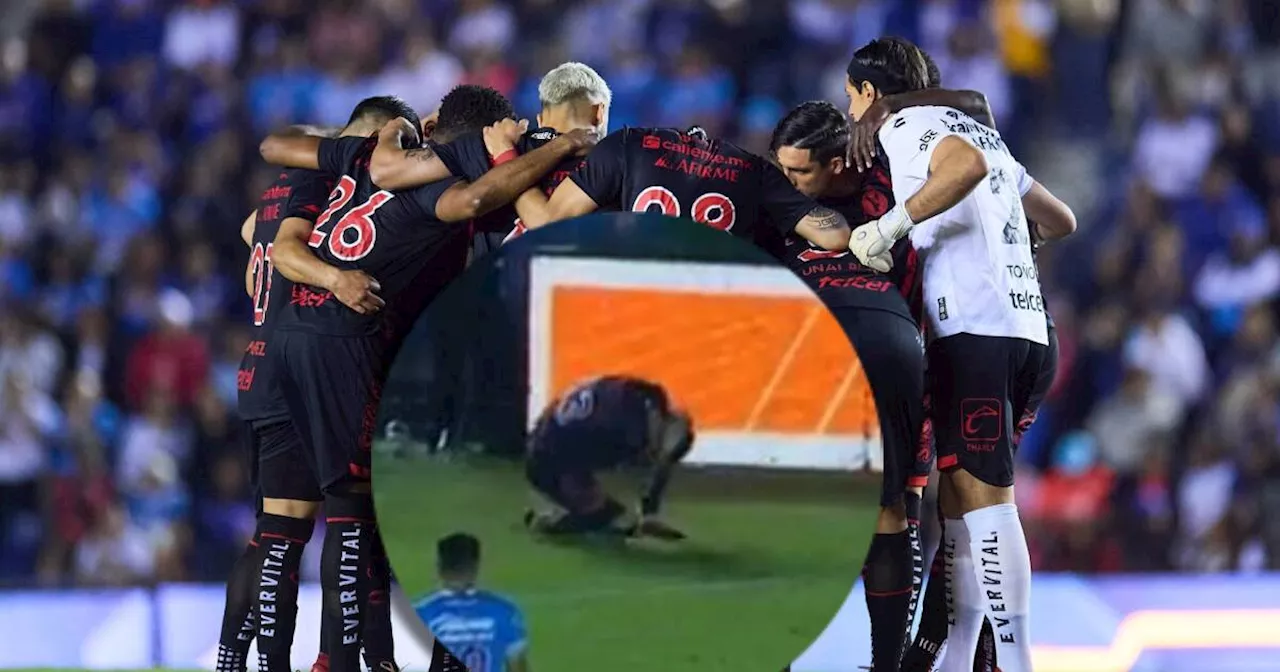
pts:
[769, 559]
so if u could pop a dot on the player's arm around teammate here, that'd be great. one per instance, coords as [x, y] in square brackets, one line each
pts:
[511, 174]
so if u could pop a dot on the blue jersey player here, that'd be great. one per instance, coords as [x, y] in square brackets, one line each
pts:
[485, 631]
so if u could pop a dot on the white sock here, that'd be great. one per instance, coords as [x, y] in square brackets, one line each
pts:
[1002, 568]
[965, 608]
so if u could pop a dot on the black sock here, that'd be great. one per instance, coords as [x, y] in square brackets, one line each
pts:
[280, 551]
[923, 652]
[985, 660]
[238, 619]
[887, 581]
[379, 646]
[344, 568]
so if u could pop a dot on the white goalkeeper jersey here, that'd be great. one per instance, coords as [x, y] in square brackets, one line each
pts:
[979, 275]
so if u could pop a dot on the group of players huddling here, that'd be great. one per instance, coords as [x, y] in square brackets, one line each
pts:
[367, 223]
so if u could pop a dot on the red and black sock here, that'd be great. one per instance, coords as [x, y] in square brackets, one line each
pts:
[379, 646]
[887, 583]
[344, 569]
[238, 619]
[283, 540]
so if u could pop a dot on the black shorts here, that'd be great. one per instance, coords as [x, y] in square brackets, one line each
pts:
[281, 463]
[1044, 358]
[979, 387]
[891, 351]
[333, 386]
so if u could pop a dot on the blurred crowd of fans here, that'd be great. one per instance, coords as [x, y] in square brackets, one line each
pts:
[127, 136]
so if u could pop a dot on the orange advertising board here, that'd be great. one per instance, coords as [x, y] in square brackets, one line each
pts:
[740, 363]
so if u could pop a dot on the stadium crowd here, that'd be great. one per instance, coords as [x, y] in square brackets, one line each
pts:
[128, 131]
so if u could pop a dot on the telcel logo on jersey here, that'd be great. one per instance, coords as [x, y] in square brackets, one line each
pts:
[1026, 300]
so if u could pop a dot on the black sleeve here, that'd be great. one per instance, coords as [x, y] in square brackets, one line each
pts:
[783, 205]
[466, 156]
[424, 198]
[600, 175]
[337, 154]
[308, 194]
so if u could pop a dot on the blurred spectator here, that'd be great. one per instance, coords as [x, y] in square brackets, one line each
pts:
[173, 362]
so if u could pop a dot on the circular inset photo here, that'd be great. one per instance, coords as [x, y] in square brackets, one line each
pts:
[627, 443]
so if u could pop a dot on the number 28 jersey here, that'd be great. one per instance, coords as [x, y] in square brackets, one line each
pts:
[394, 237]
[666, 171]
[979, 276]
[295, 194]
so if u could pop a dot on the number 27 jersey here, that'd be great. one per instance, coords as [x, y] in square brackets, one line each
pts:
[666, 171]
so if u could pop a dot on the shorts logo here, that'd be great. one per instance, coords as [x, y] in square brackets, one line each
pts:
[651, 142]
[981, 420]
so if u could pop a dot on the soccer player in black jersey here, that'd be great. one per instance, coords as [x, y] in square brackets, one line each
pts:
[1047, 223]
[574, 97]
[877, 311]
[684, 174]
[599, 424]
[332, 361]
[289, 496]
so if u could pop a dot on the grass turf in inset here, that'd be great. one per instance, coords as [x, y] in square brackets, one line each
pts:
[769, 559]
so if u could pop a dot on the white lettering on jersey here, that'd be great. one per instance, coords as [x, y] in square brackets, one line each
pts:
[979, 276]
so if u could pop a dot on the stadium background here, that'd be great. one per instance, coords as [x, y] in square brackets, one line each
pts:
[128, 130]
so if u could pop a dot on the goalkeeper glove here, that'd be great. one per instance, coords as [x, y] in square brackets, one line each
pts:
[872, 242]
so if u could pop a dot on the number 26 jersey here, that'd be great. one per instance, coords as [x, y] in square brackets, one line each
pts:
[666, 171]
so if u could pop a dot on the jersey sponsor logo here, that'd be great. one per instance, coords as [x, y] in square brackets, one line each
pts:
[981, 423]
[651, 142]
[244, 379]
[862, 282]
[1026, 300]
[309, 297]
[699, 170]
[278, 192]
[453, 625]
[928, 137]
[543, 135]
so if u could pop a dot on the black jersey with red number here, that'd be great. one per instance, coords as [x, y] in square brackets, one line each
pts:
[295, 193]
[838, 277]
[468, 157]
[599, 423]
[394, 237]
[674, 173]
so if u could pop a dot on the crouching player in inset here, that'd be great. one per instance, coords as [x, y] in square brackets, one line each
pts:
[601, 424]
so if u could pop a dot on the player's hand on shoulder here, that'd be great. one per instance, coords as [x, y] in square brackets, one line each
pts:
[862, 146]
[400, 132]
[358, 291]
[503, 136]
[580, 140]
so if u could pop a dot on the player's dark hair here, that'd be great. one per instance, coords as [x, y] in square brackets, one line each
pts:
[817, 126]
[469, 108]
[381, 109]
[458, 552]
[933, 76]
[892, 65]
